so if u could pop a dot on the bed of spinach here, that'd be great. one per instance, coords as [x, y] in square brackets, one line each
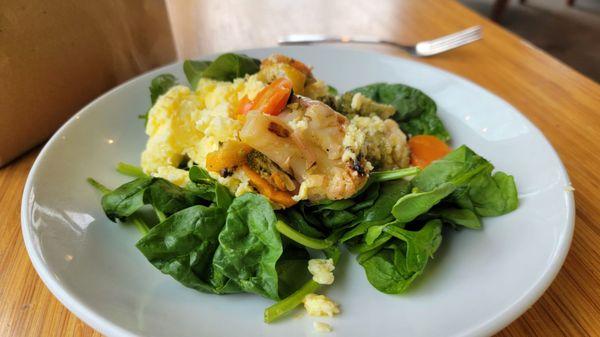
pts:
[212, 242]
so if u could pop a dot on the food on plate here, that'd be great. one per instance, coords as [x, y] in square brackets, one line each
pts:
[257, 176]
[322, 327]
[320, 305]
[321, 270]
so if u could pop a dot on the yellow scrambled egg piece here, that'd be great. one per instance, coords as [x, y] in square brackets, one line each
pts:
[321, 270]
[320, 305]
[190, 124]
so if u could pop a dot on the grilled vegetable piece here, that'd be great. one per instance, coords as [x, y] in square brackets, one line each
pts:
[270, 171]
[358, 104]
[306, 140]
[229, 155]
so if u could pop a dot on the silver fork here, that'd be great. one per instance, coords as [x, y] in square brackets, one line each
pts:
[423, 48]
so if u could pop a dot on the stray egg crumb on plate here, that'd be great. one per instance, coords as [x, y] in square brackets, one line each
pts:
[322, 327]
[321, 270]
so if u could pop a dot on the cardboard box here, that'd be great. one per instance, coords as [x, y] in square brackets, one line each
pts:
[56, 56]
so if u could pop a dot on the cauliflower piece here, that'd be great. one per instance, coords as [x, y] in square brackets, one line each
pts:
[322, 327]
[380, 141]
[359, 104]
[320, 305]
[321, 270]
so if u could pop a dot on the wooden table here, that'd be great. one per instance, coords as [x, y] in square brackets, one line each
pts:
[562, 102]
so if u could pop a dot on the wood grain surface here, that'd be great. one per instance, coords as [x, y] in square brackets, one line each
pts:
[564, 104]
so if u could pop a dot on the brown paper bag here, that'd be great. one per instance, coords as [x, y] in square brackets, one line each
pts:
[57, 55]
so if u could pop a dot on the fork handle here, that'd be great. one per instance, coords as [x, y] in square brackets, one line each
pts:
[294, 39]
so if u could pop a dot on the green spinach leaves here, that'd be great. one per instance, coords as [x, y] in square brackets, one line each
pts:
[393, 268]
[183, 247]
[250, 246]
[226, 67]
[416, 113]
[160, 85]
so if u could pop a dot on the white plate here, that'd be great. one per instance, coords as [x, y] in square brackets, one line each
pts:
[479, 282]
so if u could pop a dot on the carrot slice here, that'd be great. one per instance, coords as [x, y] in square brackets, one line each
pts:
[265, 188]
[244, 105]
[426, 148]
[271, 100]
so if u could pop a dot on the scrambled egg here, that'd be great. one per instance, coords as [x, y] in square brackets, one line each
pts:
[185, 124]
[321, 270]
[322, 327]
[320, 305]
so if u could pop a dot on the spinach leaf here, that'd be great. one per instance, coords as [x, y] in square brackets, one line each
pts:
[408, 101]
[168, 197]
[183, 247]
[420, 245]
[200, 175]
[427, 123]
[460, 162]
[204, 186]
[458, 217]
[160, 85]
[228, 67]
[163, 195]
[250, 246]
[126, 199]
[414, 204]
[373, 233]
[383, 273]
[363, 247]
[193, 71]
[336, 219]
[490, 195]
[415, 111]
[335, 205]
[392, 269]
[381, 211]
[389, 194]
[223, 197]
[367, 198]
[478, 189]
[363, 227]
[292, 269]
[295, 219]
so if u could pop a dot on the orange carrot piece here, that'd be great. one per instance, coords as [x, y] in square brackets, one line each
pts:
[426, 148]
[282, 198]
[271, 100]
[244, 105]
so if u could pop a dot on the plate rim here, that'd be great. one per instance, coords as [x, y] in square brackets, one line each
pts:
[106, 327]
